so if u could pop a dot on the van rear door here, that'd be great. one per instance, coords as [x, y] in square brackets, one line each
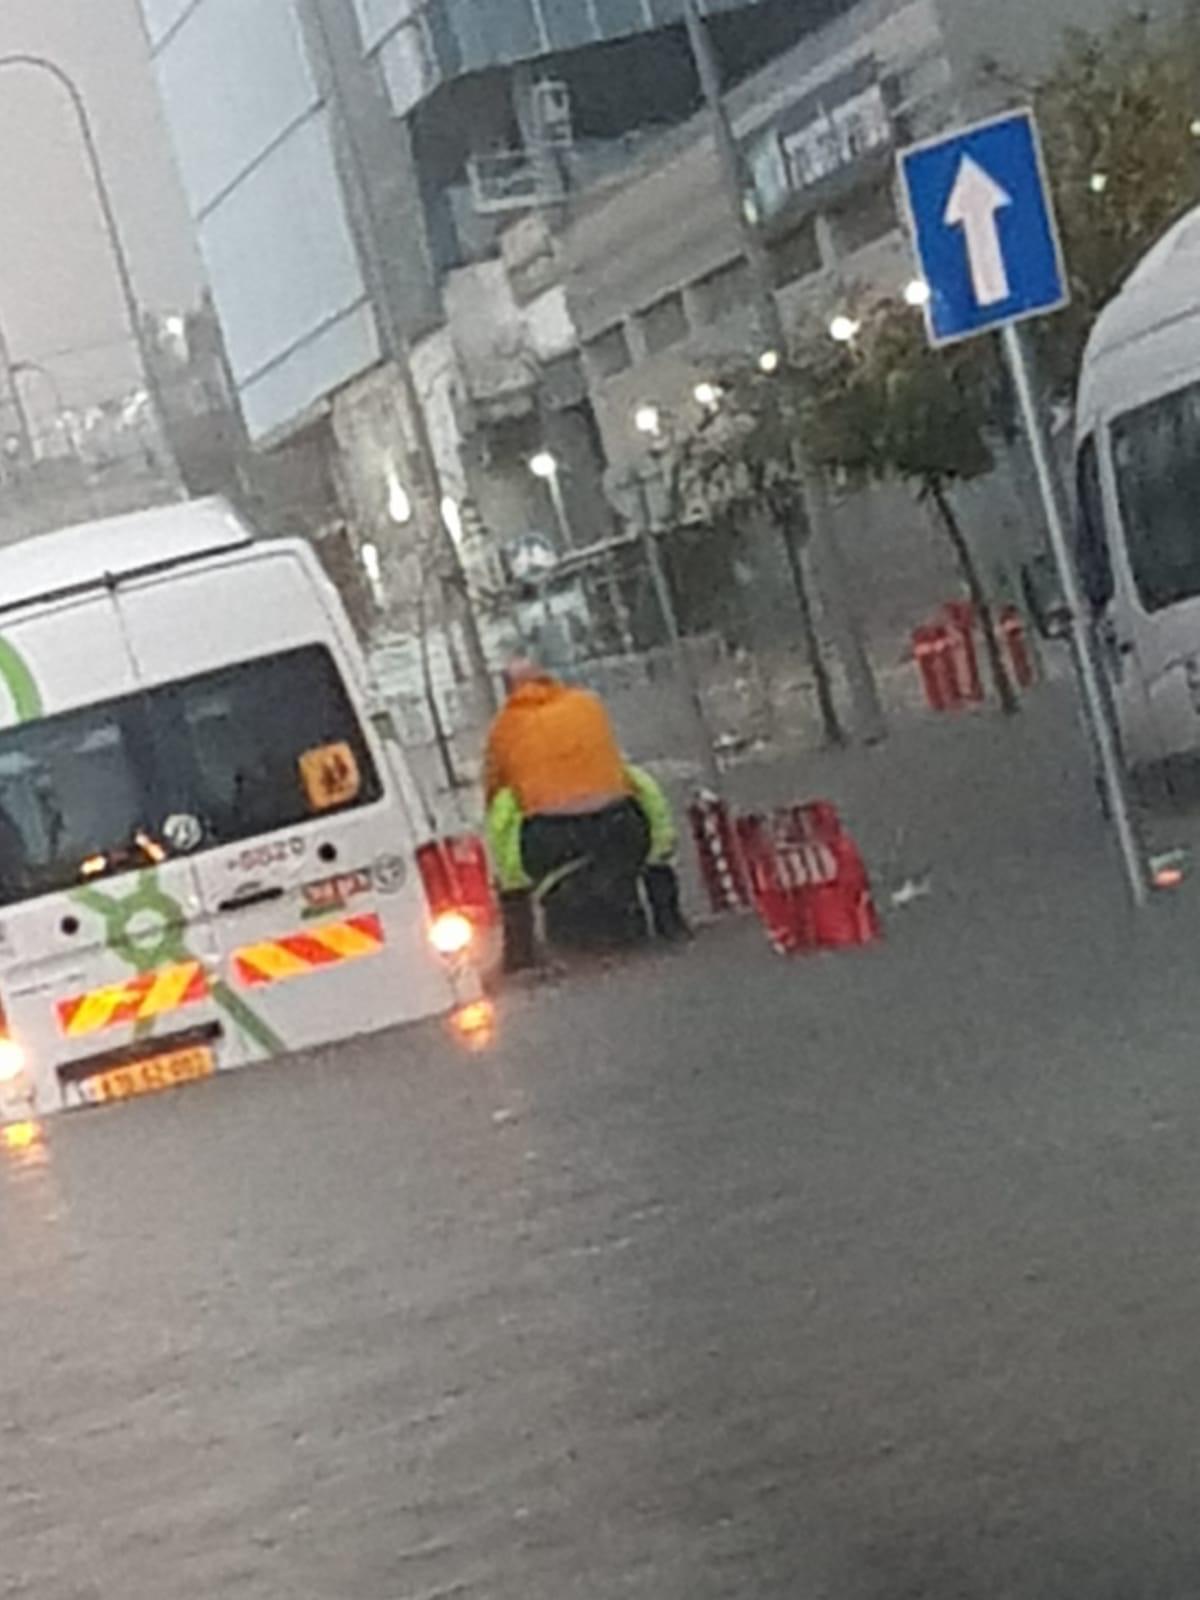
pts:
[302, 849]
[102, 978]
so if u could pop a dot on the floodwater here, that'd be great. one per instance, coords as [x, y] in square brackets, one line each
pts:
[710, 1276]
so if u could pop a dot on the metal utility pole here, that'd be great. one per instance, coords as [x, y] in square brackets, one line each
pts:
[112, 229]
[860, 678]
[1092, 694]
[364, 220]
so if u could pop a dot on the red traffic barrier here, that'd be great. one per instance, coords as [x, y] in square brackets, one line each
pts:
[808, 881]
[457, 877]
[933, 653]
[960, 625]
[780, 870]
[717, 850]
[1016, 642]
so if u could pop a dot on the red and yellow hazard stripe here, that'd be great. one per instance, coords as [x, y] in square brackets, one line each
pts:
[153, 994]
[296, 955]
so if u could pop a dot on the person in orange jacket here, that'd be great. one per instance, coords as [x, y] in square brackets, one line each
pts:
[554, 748]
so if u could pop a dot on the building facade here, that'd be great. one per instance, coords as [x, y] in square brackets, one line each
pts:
[520, 203]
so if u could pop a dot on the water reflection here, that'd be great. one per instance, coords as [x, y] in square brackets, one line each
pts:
[474, 1025]
[25, 1145]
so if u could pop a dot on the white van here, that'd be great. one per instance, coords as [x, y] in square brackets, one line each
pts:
[206, 840]
[1137, 482]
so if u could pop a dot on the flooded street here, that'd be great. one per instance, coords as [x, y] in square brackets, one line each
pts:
[865, 1277]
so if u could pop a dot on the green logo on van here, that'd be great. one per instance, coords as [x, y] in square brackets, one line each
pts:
[20, 683]
[146, 928]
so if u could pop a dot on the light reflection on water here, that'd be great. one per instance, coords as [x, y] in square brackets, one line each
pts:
[474, 1025]
[25, 1145]
[34, 1245]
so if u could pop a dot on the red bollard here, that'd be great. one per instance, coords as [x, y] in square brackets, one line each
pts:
[457, 876]
[1016, 641]
[718, 852]
[931, 648]
[960, 624]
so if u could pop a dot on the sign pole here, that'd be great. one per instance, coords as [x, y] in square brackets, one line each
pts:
[1096, 710]
[982, 219]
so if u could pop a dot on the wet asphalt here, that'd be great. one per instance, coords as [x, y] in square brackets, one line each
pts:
[875, 1277]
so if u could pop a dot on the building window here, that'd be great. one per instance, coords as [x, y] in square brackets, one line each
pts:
[664, 323]
[722, 292]
[868, 214]
[796, 255]
[608, 353]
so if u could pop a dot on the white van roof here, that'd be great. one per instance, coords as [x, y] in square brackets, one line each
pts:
[1162, 291]
[89, 554]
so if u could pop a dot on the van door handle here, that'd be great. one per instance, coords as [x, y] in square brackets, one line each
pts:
[249, 897]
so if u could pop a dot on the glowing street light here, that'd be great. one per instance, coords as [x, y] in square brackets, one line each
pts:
[844, 329]
[452, 518]
[916, 293]
[646, 419]
[1098, 182]
[544, 465]
[707, 394]
[368, 555]
[399, 504]
[769, 362]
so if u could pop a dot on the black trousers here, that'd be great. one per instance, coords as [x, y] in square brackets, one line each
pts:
[601, 854]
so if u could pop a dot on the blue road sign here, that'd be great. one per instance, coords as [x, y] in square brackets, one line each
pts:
[981, 219]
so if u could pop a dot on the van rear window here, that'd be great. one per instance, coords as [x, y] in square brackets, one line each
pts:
[187, 766]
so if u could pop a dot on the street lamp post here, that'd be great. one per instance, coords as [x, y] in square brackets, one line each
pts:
[112, 229]
[545, 466]
[656, 427]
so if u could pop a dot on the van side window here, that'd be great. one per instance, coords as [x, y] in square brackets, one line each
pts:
[1091, 540]
[1156, 462]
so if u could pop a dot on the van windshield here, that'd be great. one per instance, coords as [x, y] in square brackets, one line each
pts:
[1156, 451]
[189, 765]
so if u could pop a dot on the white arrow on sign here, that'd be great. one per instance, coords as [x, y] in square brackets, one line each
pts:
[974, 202]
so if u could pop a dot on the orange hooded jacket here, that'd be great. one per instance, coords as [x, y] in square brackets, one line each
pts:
[555, 748]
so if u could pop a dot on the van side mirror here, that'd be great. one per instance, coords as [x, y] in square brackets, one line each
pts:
[1044, 599]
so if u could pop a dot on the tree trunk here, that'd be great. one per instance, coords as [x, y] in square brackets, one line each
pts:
[833, 585]
[1005, 692]
[830, 721]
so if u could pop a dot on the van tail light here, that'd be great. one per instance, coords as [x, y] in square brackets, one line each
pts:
[456, 875]
[451, 934]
